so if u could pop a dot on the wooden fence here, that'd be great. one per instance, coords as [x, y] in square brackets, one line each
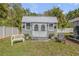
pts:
[8, 31]
[65, 30]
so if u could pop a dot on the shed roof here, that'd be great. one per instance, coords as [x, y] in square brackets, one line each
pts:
[75, 19]
[39, 19]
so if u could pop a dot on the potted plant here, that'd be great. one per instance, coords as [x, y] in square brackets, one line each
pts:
[51, 36]
[26, 36]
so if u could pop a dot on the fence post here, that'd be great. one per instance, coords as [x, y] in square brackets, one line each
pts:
[12, 30]
[17, 30]
[3, 31]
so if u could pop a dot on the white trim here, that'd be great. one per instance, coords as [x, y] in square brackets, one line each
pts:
[74, 20]
[41, 19]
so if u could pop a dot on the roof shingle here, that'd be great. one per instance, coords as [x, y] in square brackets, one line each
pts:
[39, 19]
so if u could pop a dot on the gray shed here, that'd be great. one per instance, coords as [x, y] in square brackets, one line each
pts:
[75, 23]
[39, 26]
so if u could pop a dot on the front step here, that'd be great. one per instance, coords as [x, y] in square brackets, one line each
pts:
[39, 38]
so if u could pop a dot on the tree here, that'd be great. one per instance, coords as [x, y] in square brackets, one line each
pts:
[3, 13]
[72, 14]
[19, 11]
[11, 14]
[3, 10]
[57, 12]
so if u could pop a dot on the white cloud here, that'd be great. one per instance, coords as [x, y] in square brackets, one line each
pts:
[34, 8]
[65, 12]
[59, 5]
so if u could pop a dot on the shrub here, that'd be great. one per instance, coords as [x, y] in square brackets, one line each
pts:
[51, 35]
[27, 36]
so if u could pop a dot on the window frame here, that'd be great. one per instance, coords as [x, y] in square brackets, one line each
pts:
[42, 27]
[23, 25]
[51, 25]
[36, 28]
[28, 26]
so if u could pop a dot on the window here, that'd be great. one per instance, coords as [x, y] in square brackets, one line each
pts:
[36, 27]
[23, 26]
[42, 27]
[76, 30]
[50, 25]
[27, 25]
[55, 26]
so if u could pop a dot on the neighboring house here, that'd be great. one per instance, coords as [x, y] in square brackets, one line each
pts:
[39, 26]
[75, 23]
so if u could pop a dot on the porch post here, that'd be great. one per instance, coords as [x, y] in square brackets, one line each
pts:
[25, 25]
[3, 31]
[47, 30]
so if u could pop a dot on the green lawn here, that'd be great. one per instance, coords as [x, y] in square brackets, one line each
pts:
[30, 47]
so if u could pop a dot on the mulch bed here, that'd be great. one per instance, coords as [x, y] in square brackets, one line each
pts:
[71, 41]
[1, 38]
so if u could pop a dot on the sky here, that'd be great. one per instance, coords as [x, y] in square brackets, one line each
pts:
[42, 7]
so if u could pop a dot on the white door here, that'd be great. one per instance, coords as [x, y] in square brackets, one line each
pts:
[39, 30]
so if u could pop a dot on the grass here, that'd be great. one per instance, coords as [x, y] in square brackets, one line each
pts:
[37, 48]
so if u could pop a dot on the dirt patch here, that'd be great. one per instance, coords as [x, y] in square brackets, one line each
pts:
[1, 37]
[70, 42]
